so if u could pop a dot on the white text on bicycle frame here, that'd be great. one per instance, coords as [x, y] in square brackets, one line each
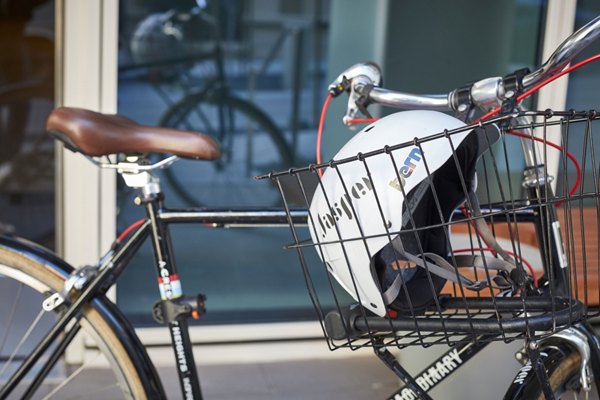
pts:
[433, 375]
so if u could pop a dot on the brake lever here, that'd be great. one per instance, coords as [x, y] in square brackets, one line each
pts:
[358, 100]
[358, 80]
[368, 71]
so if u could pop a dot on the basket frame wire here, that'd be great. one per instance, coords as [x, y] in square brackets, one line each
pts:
[342, 243]
[417, 239]
[511, 217]
[587, 134]
[469, 217]
[354, 213]
[513, 223]
[440, 214]
[387, 231]
[308, 280]
[596, 178]
[467, 314]
[573, 261]
[415, 233]
[542, 200]
[572, 277]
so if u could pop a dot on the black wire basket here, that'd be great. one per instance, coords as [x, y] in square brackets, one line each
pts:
[477, 233]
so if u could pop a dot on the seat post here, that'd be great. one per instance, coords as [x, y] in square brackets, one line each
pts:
[136, 177]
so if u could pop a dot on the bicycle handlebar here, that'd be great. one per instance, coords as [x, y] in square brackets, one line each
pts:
[486, 94]
[565, 53]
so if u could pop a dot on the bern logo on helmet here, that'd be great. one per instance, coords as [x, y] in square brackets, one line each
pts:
[342, 207]
[407, 169]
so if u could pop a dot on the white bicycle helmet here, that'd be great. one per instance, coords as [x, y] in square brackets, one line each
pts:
[364, 248]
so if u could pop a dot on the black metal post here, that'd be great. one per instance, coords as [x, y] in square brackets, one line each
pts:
[170, 289]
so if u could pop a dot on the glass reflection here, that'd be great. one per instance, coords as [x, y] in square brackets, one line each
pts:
[26, 98]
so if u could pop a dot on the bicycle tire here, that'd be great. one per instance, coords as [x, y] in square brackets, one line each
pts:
[135, 378]
[562, 365]
[230, 180]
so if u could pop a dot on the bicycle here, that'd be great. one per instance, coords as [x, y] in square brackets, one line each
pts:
[420, 251]
[75, 300]
[249, 139]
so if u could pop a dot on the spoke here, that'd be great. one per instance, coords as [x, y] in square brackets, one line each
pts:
[87, 393]
[71, 377]
[23, 340]
[51, 362]
[12, 315]
[104, 389]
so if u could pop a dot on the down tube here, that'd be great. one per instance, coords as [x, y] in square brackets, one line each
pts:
[442, 368]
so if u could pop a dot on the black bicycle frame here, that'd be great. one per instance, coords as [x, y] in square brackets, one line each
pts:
[436, 372]
[544, 217]
[169, 283]
[116, 261]
[452, 360]
[157, 229]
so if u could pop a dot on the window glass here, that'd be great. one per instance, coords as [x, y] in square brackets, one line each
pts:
[459, 43]
[26, 99]
[251, 74]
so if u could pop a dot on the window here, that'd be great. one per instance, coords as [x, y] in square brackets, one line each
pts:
[253, 76]
[26, 99]
[247, 74]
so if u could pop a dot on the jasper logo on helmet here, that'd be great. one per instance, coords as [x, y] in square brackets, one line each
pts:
[406, 170]
[342, 208]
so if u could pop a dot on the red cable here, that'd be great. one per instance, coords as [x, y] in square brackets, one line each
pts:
[491, 113]
[537, 87]
[320, 129]
[322, 124]
[130, 229]
[557, 147]
[510, 253]
[362, 121]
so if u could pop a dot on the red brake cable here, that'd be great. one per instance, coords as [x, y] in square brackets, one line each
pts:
[130, 229]
[321, 125]
[537, 87]
[490, 114]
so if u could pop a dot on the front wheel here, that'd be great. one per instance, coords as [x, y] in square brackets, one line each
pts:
[250, 145]
[99, 362]
[562, 365]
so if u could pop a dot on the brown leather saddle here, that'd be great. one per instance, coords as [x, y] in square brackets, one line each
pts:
[96, 134]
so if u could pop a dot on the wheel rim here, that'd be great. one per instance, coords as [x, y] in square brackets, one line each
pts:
[96, 375]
